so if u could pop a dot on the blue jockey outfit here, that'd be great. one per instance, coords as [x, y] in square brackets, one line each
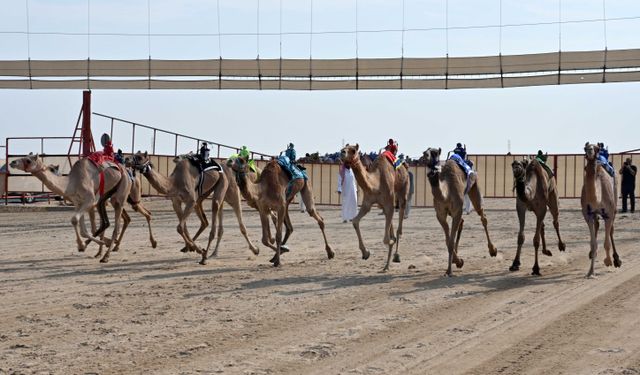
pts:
[603, 159]
[288, 162]
[460, 157]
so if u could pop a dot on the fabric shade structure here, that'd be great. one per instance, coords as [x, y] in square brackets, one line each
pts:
[327, 74]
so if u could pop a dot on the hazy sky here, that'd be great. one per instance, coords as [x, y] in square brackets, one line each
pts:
[558, 119]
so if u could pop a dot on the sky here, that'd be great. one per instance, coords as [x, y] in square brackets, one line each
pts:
[558, 119]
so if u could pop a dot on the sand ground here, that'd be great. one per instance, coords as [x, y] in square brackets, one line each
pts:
[158, 311]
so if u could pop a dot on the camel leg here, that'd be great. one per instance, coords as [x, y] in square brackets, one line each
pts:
[458, 235]
[80, 229]
[616, 258]
[237, 209]
[147, 215]
[403, 205]
[476, 200]
[545, 251]
[608, 226]
[183, 214]
[388, 214]
[594, 245]
[456, 231]
[281, 213]
[288, 230]
[220, 233]
[555, 213]
[266, 232]
[522, 213]
[536, 244]
[216, 204]
[204, 223]
[307, 198]
[117, 207]
[364, 209]
[126, 220]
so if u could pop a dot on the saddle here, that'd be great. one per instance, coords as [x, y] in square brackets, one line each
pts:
[466, 168]
[394, 160]
[204, 165]
[606, 165]
[294, 171]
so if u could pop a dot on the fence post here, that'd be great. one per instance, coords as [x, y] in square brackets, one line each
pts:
[153, 147]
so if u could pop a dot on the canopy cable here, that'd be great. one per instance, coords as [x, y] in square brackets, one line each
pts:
[280, 35]
[500, 49]
[149, 38]
[258, 44]
[29, 45]
[446, 23]
[219, 46]
[311, 46]
[402, 47]
[357, 52]
[559, 39]
[606, 44]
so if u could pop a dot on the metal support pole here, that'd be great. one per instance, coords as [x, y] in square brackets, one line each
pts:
[111, 132]
[133, 139]
[6, 174]
[87, 137]
[175, 149]
[153, 146]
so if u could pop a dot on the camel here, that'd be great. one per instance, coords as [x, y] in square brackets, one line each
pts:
[232, 197]
[181, 187]
[82, 187]
[448, 185]
[383, 186]
[59, 183]
[599, 199]
[271, 194]
[536, 191]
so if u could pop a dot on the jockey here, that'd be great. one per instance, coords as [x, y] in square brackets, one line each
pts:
[204, 152]
[391, 146]
[603, 159]
[461, 151]
[107, 151]
[290, 152]
[542, 159]
[119, 157]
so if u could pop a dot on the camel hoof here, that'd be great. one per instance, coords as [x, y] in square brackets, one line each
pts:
[617, 263]
[284, 249]
[255, 250]
[202, 262]
[81, 249]
[213, 255]
[385, 269]
[185, 250]
[366, 255]
[493, 252]
[396, 258]
[562, 246]
[590, 276]
[330, 253]
[276, 263]
[104, 260]
[448, 274]
[98, 254]
[514, 268]
[115, 249]
[460, 263]
[607, 262]
[154, 244]
[547, 253]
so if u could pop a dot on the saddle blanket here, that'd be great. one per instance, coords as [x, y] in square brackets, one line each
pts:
[395, 161]
[295, 172]
[606, 165]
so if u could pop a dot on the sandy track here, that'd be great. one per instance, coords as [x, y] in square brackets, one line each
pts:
[158, 310]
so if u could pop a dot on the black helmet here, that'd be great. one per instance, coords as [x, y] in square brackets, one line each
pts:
[459, 145]
[105, 139]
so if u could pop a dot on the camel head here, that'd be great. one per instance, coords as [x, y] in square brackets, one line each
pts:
[591, 151]
[31, 163]
[239, 165]
[141, 161]
[350, 155]
[432, 157]
[519, 168]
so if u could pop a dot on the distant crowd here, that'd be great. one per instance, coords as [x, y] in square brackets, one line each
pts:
[334, 158]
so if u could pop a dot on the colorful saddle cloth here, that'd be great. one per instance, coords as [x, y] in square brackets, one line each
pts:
[251, 163]
[204, 165]
[294, 171]
[394, 160]
[606, 165]
[544, 165]
[466, 168]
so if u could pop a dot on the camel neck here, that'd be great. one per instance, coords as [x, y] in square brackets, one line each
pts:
[248, 189]
[57, 184]
[590, 172]
[159, 182]
[362, 176]
[434, 181]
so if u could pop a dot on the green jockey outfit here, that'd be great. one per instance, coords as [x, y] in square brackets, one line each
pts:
[542, 159]
[246, 155]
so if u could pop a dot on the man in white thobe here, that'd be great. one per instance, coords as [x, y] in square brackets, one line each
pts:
[348, 189]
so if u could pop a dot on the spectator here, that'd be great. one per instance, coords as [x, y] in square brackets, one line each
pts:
[628, 173]
[410, 197]
[348, 189]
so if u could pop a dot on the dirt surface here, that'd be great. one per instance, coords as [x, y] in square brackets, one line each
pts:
[158, 311]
